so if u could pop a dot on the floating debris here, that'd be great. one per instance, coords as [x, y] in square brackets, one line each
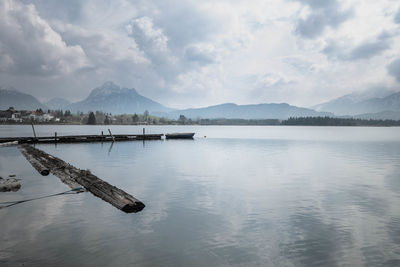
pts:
[12, 143]
[7, 185]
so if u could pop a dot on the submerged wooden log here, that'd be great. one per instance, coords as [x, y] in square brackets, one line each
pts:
[43, 170]
[11, 184]
[74, 177]
[9, 143]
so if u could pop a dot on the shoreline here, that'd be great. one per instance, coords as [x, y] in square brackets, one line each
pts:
[68, 124]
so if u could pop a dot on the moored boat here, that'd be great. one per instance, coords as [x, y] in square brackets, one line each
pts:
[179, 136]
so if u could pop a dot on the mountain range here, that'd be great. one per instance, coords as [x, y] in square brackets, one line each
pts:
[57, 103]
[257, 111]
[351, 105]
[11, 97]
[111, 98]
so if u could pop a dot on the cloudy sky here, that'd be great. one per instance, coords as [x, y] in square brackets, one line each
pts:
[196, 53]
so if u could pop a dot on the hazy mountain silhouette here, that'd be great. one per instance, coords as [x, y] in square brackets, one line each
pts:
[350, 105]
[384, 115]
[18, 100]
[112, 98]
[258, 111]
[57, 103]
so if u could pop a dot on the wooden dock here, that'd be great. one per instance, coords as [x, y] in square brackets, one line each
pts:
[81, 138]
[75, 177]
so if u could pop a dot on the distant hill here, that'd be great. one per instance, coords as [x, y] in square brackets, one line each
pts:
[57, 103]
[384, 115]
[348, 105]
[112, 98]
[258, 111]
[18, 100]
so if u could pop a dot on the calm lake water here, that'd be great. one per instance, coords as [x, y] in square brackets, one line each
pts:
[244, 196]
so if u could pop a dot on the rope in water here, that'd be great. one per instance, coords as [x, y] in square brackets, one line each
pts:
[12, 203]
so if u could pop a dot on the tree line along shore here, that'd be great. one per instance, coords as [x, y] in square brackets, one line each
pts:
[12, 116]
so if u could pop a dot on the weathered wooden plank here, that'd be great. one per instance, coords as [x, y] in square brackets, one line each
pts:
[72, 176]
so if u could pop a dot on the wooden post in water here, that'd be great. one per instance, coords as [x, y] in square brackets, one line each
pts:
[111, 135]
[102, 136]
[143, 134]
[55, 137]
[33, 129]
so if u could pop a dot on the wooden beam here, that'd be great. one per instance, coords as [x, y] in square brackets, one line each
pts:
[73, 176]
[111, 135]
[33, 129]
[37, 164]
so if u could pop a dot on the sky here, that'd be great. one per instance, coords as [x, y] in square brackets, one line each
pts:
[186, 53]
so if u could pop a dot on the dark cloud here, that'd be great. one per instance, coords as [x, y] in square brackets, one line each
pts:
[323, 14]
[333, 50]
[394, 69]
[397, 17]
[202, 57]
[66, 10]
[185, 23]
[368, 50]
[385, 35]
[365, 50]
[318, 4]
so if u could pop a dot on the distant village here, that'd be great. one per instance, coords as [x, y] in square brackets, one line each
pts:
[19, 116]
[39, 116]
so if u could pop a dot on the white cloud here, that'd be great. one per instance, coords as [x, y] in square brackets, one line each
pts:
[143, 29]
[29, 46]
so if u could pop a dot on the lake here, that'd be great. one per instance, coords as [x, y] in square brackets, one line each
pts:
[235, 195]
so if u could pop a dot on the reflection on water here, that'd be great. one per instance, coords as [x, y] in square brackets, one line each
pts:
[289, 201]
